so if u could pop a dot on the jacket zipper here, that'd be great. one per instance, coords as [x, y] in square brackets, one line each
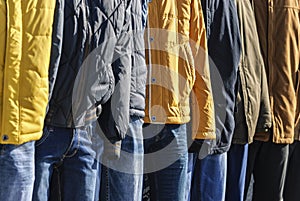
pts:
[149, 69]
[270, 50]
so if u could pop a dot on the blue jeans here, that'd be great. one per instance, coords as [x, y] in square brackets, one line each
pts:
[208, 177]
[16, 171]
[70, 152]
[236, 172]
[122, 179]
[166, 161]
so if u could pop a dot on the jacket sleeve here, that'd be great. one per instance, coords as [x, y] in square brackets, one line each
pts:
[114, 119]
[56, 48]
[203, 124]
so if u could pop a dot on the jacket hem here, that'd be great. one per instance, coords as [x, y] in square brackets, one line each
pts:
[220, 150]
[139, 113]
[209, 135]
[168, 120]
[283, 141]
[23, 138]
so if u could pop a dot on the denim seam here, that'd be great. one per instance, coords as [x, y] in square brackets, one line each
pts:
[3, 150]
[76, 149]
[43, 138]
[69, 147]
[59, 185]
[107, 184]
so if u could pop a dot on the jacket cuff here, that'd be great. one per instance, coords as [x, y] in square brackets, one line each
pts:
[112, 150]
[262, 136]
[206, 135]
[263, 128]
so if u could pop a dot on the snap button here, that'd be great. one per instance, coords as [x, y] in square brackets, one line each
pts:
[153, 118]
[5, 137]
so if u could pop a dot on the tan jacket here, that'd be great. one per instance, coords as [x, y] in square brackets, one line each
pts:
[278, 27]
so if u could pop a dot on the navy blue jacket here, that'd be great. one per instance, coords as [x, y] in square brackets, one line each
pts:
[224, 49]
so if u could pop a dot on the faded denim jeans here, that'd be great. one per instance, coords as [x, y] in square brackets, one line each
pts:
[16, 172]
[166, 160]
[122, 179]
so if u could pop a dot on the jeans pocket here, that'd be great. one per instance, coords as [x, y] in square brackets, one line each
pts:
[46, 132]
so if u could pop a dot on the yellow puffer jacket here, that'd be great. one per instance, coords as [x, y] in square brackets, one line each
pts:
[25, 43]
[176, 54]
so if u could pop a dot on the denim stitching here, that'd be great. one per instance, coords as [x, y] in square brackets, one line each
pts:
[107, 184]
[76, 149]
[70, 146]
[45, 136]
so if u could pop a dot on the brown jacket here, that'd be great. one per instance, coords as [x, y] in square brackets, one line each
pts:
[253, 112]
[278, 28]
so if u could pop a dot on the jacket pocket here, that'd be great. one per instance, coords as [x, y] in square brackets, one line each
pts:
[46, 132]
[106, 84]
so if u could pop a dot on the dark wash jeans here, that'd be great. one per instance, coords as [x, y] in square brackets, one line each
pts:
[122, 179]
[71, 153]
[208, 177]
[236, 172]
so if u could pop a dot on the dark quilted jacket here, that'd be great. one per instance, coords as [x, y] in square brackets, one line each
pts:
[94, 65]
